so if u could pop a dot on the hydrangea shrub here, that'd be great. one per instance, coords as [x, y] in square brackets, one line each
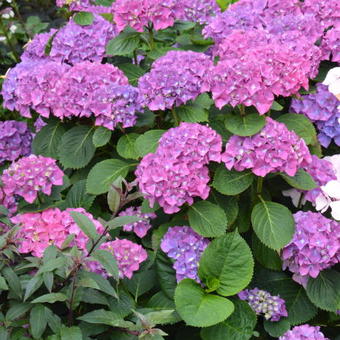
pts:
[170, 170]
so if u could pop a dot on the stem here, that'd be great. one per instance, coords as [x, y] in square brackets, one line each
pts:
[300, 201]
[242, 110]
[70, 313]
[151, 38]
[259, 185]
[5, 32]
[135, 57]
[175, 117]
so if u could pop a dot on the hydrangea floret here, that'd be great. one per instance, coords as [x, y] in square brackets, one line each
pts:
[185, 247]
[129, 256]
[272, 307]
[304, 332]
[273, 149]
[315, 246]
[30, 175]
[141, 227]
[15, 140]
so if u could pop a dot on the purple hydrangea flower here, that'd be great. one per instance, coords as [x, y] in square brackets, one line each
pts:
[141, 227]
[174, 79]
[83, 5]
[199, 10]
[30, 85]
[331, 45]
[75, 43]
[39, 124]
[304, 332]
[15, 140]
[185, 246]
[323, 109]
[139, 13]
[274, 149]
[35, 49]
[8, 201]
[173, 176]
[273, 308]
[129, 256]
[314, 247]
[30, 175]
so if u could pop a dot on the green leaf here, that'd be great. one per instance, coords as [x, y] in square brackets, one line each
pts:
[166, 275]
[148, 142]
[76, 148]
[38, 321]
[133, 72]
[228, 203]
[120, 221]
[207, 219]
[302, 180]
[13, 281]
[273, 224]
[85, 224]
[267, 257]
[17, 310]
[276, 106]
[33, 285]
[239, 326]
[3, 284]
[124, 44]
[324, 291]
[231, 182]
[301, 125]
[196, 111]
[104, 173]
[77, 197]
[50, 298]
[71, 333]
[101, 136]
[83, 18]
[141, 282]
[47, 140]
[244, 125]
[126, 146]
[96, 281]
[104, 317]
[278, 328]
[229, 260]
[108, 261]
[199, 309]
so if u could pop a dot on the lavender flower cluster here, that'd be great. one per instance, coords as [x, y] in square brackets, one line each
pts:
[141, 227]
[185, 246]
[31, 175]
[174, 79]
[273, 308]
[322, 107]
[274, 149]
[304, 332]
[15, 140]
[173, 176]
[314, 247]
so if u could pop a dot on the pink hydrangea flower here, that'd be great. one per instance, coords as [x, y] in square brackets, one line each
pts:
[31, 175]
[30, 85]
[199, 10]
[129, 256]
[174, 176]
[315, 246]
[37, 231]
[304, 332]
[141, 227]
[185, 246]
[8, 201]
[331, 45]
[174, 79]
[274, 149]
[140, 13]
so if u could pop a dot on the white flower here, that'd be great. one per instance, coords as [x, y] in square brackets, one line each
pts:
[332, 80]
[13, 28]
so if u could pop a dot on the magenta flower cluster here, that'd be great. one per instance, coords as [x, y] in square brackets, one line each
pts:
[173, 176]
[37, 231]
[30, 175]
[8, 201]
[185, 247]
[142, 13]
[331, 45]
[174, 79]
[142, 226]
[314, 247]
[273, 149]
[322, 107]
[15, 140]
[129, 256]
[304, 332]
[199, 10]
[273, 308]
